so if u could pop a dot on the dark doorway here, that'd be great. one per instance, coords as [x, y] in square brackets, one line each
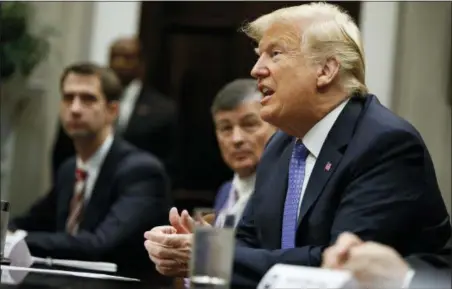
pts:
[193, 49]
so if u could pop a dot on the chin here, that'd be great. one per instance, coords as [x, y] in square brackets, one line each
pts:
[80, 134]
[269, 115]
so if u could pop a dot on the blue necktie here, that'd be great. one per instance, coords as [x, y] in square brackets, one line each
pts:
[296, 178]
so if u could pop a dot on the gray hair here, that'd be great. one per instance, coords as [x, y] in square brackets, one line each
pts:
[234, 94]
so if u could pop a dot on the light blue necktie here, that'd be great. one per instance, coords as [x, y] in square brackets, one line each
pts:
[295, 184]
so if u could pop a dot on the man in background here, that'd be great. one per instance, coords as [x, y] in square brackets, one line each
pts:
[242, 136]
[147, 119]
[105, 196]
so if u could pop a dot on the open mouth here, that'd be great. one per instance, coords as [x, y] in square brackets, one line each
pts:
[267, 94]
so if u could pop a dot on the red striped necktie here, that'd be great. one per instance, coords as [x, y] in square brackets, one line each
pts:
[77, 202]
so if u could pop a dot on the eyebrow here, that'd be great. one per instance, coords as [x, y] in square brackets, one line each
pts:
[249, 116]
[269, 45]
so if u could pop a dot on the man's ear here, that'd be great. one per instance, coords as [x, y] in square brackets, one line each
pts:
[113, 109]
[327, 72]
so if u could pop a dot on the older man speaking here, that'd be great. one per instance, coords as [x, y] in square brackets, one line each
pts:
[341, 162]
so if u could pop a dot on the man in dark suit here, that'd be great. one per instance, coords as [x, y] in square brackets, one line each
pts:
[147, 119]
[378, 266]
[341, 162]
[106, 196]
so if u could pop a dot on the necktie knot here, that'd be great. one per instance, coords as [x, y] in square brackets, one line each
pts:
[80, 175]
[300, 152]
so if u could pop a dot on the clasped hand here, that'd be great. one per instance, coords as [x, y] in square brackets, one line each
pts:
[169, 247]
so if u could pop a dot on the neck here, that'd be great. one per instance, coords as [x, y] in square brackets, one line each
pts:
[246, 173]
[326, 102]
[86, 147]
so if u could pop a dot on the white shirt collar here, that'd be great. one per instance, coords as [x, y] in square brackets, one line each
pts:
[95, 161]
[244, 186]
[316, 136]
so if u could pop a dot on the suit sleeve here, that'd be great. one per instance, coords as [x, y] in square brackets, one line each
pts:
[40, 217]
[142, 200]
[379, 203]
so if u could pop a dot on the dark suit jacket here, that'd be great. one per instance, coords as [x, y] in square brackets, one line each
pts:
[222, 196]
[432, 270]
[152, 127]
[381, 186]
[130, 196]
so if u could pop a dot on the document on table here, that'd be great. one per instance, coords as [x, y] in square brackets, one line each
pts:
[67, 273]
[294, 277]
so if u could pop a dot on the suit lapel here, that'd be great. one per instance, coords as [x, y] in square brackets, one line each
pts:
[134, 114]
[331, 153]
[222, 197]
[99, 195]
[319, 177]
[67, 192]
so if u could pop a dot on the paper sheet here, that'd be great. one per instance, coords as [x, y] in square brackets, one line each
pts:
[282, 276]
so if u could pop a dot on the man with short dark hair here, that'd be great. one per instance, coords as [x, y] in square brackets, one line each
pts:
[146, 118]
[108, 194]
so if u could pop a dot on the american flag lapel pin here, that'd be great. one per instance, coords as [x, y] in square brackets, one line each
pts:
[327, 166]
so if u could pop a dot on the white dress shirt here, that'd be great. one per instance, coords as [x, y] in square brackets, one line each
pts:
[313, 141]
[93, 164]
[127, 104]
[244, 188]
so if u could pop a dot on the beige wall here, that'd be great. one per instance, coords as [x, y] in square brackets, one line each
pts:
[422, 80]
[34, 136]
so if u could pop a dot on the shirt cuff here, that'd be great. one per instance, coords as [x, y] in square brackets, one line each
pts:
[408, 278]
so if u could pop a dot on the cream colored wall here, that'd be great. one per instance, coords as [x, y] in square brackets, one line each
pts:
[422, 80]
[30, 166]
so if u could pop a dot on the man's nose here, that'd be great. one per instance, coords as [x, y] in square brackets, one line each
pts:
[237, 135]
[259, 70]
[76, 105]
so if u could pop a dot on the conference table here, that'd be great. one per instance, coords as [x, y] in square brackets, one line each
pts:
[50, 281]
[47, 281]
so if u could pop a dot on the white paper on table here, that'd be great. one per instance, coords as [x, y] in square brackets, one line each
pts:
[68, 273]
[16, 250]
[98, 266]
[282, 276]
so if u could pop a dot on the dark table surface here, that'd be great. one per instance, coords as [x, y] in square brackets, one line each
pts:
[47, 281]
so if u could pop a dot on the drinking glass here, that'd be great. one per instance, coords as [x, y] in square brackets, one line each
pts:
[212, 254]
[4, 225]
